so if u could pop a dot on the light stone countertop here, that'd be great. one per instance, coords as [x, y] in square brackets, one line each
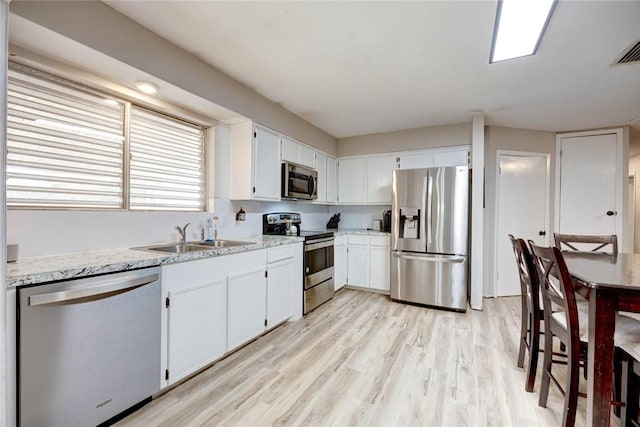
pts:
[358, 231]
[38, 270]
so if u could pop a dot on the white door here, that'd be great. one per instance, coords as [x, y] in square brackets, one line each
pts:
[415, 160]
[358, 266]
[588, 185]
[279, 291]
[351, 180]
[246, 307]
[321, 167]
[196, 331]
[379, 267]
[339, 262]
[451, 158]
[332, 188]
[379, 171]
[521, 210]
[266, 161]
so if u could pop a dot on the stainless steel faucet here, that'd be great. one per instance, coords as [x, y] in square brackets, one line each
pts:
[182, 231]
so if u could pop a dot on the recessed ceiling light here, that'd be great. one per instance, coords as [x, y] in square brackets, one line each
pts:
[519, 27]
[112, 102]
[146, 87]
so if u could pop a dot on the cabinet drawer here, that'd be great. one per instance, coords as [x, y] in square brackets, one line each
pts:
[380, 241]
[279, 252]
[355, 239]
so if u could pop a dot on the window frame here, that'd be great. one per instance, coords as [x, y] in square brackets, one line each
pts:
[206, 129]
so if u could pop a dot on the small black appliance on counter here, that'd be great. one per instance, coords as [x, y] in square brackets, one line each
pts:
[386, 221]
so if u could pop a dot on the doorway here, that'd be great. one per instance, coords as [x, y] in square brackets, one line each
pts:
[522, 209]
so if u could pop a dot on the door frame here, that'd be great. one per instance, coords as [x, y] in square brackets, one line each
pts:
[496, 218]
[622, 175]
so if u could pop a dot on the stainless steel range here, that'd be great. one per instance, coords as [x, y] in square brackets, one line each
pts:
[318, 283]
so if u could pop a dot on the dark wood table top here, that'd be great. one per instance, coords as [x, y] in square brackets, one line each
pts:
[605, 271]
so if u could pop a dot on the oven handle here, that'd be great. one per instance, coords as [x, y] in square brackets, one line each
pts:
[323, 243]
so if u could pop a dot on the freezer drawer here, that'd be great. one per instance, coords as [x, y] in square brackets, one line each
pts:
[435, 280]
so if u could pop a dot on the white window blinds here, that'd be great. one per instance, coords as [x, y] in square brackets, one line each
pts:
[64, 146]
[73, 147]
[167, 168]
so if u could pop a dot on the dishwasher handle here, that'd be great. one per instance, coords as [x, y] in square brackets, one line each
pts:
[102, 289]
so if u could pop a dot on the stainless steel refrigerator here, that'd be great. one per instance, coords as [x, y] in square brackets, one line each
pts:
[429, 236]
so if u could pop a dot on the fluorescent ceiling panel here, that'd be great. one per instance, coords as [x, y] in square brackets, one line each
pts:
[519, 27]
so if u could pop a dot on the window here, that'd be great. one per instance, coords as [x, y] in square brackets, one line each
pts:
[68, 147]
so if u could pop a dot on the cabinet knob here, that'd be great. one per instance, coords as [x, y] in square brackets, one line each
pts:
[611, 213]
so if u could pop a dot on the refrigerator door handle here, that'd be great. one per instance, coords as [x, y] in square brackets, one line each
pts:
[436, 258]
[429, 196]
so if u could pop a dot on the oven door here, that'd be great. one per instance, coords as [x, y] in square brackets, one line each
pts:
[318, 262]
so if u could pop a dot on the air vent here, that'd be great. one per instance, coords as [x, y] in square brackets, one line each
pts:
[630, 54]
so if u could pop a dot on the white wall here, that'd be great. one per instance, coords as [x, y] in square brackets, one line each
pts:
[357, 216]
[42, 233]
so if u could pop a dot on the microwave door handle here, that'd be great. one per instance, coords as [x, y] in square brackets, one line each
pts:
[311, 185]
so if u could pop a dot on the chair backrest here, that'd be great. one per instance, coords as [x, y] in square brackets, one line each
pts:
[557, 287]
[607, 244]
[529, 283]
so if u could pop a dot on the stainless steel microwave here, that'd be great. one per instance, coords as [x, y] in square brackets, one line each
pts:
[299, 182]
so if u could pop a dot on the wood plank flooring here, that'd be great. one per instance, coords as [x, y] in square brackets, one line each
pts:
[362, 360]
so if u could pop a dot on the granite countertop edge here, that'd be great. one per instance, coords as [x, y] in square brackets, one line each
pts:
[45, 269]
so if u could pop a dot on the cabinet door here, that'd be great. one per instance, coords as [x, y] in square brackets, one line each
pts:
[379, 263]
[246, 307]
[351, 180]
[306, 156]
[321, 166]
[451, 158]
[379, 171]
[332, 188]
[339, 263]
[196, 327]
[279, 291]
[266, 165]
[416, 160]
[289, 150]
[358, 266]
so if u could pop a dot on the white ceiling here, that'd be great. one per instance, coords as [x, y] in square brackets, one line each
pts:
[354, 68]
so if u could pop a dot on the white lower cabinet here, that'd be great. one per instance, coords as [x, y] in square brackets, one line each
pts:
[368, 262]
[217, 304]
[246, 307]
[197, 332]
[339, 262]
[279, 292]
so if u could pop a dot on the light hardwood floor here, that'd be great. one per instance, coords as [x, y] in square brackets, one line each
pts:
[362, 360]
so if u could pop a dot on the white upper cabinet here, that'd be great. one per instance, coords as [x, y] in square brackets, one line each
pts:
[295, 152]
[352, 180]
[321, 165]
[255, 159]
[331, 181]
[451, 158]
[379, 172]
[415, 159]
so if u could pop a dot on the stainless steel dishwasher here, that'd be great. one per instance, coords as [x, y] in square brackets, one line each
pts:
[88, 349]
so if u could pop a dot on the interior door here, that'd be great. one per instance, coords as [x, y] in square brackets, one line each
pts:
[521, 211]
[588, 185]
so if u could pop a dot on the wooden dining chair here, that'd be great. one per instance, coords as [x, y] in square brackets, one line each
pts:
[570, 326]
[607, 244]
[531, 313]
[630, 392]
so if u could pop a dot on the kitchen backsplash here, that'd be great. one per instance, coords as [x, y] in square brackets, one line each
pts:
[46, 232]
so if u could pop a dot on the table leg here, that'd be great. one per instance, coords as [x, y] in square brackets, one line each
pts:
[602, 325]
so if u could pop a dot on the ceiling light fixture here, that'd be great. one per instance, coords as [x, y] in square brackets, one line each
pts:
[519, 27]
[146, 87]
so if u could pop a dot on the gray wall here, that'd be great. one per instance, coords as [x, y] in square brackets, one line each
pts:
[410, 139]
[501, 138]
[96, 25]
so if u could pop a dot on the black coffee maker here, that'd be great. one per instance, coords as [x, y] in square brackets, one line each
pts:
[386, 221]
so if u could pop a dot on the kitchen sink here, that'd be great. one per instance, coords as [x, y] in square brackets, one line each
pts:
[180, 248]
[225, 243]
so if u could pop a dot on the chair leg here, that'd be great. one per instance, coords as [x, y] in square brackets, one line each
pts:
[571, 395]
[534, 351]
[546, 367]
[524, 327]
[617, 379]
[629, 392]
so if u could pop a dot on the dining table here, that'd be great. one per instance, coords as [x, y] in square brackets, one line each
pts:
[610, 283]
